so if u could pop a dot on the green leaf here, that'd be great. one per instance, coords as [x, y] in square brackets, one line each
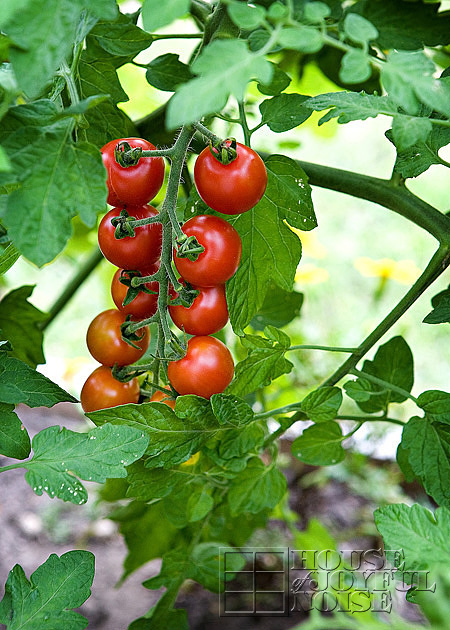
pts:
[284, 112]
[199, 504]
[156, 14]
[19, 383]
[136, 521]
[320, 445]
[121, 38]
[441, 308]
[416, 160]
[358, 29]
[174, 437]
[422, 535]
[231, 410]
[60, 456]
[280, 81]
[360, 390]
[262, 365]
[436, 405]
[167, 72]
[20, 323]
[43, 40]
[205, 567]
[279, 308]
[225, 67]
[14, 439]
[303, 38]
[355, 67]
[408, 131]
[428, 446]
[54, 590]
[322, 404]
[270, 250]
[59, 178]
[349, 106]
[148, 484]
[404, 465]
[240, 443]
[83, 106]
[316, 12]
[393, 363]
[402, 73]
[5, 164]
[404, 26]
[8, 257]
[245, 16]
[256, 488]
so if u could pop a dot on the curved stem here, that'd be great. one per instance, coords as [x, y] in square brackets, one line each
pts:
[363, 419]
[85, 270]
[316, 347]
[435, 267]
[383, 383]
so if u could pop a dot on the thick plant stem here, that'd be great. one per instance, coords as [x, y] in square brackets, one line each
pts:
[435, 267]
[87, 268]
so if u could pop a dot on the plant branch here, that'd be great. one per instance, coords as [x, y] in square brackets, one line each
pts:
[383, 383]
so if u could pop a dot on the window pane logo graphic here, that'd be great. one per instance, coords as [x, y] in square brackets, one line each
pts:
[260, 588]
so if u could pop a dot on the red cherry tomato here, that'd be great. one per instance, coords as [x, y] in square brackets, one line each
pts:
[222, 254]
[159, 396]
[207, 314]
[132, 252]
[102, 390]
[231, 188]
[144, 304]
[206, 369]
[134, 185]
[105, 343]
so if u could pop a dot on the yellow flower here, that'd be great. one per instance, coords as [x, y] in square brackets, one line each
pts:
[311, 246]
[193, 459]
[402, 271]
[310, 274]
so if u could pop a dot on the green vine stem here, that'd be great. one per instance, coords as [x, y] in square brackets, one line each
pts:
[318, 347]
[84, 271]
[379, 381]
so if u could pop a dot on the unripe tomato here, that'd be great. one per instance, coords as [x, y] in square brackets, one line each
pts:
[101, 390]
[144, 304]
[159, 396]
[206, 369]
[133, 185]
[231, 188]
[132, 252]
[207, 314]
[105, 343]
[221, 256]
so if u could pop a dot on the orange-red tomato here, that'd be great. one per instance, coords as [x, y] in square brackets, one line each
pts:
[206, 369]
[105, 343]
[101, 390]
[159, 396]
[207, 314]
[144, 304]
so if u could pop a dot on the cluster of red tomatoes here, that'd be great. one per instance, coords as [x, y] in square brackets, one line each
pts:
[207, 367]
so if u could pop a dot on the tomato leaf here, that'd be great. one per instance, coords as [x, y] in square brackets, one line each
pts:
[8, 257]
[349, 106]
[441, 309]
[278, 309]
[167, 72]
[320, 445]
[322, 404]
[156, 14]
[284, 112]
[422, 535]
[436, 405]
[19, 383]
[256, 488]
[14, 439]
[224, 67]
[49, 597]
[20, 323]
[60, 456]
[120, 38]
[428, 448]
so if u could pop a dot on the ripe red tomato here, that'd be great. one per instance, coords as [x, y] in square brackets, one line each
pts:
[134, 185]
[132, 252]
[102, 390]
[144, 304]
[159, 396]
[231, 188]
[207, 314]
[206, 369]
[222, 254]
[105, 343]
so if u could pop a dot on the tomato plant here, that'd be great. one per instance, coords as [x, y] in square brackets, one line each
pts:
[101, 390]
[207, 314]
[231, 188]
[132, 185]
[221, 255]
[206, 369]
[131, 252]
[144, 304]
[105, 343]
